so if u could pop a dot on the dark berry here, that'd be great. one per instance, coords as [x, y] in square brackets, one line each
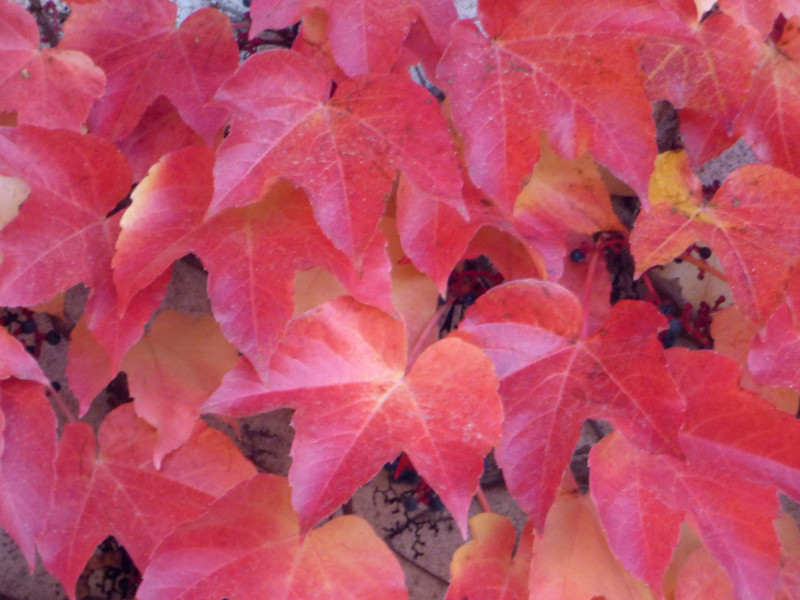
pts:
[30, 349]
[28, 326]
[435, 503]
[668, 339]
[678, 260]
[55, 385]
[407, 476]
[667, 310]
[53, 337]
[410, 503]
[705, 253]
[675, 326]
[468, 300]
[246, 3]
[577, 255]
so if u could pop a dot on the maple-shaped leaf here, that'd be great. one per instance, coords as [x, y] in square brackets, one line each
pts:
[251, 253]
[109, 486]
[755, 203]
[344, 150]
[775, 352]
[342, 367]
[62, 235]
[248, 545]
[484, 569]
[51, 88]
[705, 67]
[175, 367]
[144, 56]
[567, 68]
[571, 559]
[366, 36]
[551, 381]
[27, 453]
[642, 498]
[15, 361]
[768, 120]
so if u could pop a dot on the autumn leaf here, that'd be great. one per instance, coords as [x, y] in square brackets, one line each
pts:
[733, 223]
[144, 56]
[249, 545]
[566, 68]
[484, 569]
[65, 215]
[343, 150]
[51, 88]
[176, 366]
[110, 487]
[251, 253]
[27, 453]
[342, 367]
[551, 381]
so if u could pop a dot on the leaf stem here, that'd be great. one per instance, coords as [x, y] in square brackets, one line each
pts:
[703, 266]
[423, 336]
[59, 401]
[483, 500]
[587, 292]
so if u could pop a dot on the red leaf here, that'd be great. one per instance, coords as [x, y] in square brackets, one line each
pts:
[551, 381]
[734, 223]
[240, 550]
[27, 454]
[251, 253]
[483, 568]
[135, 42]
[176, 366]
[341, 366]
[51, 88]
[286, 127]
[64, 217]
[16, 362]
[734, 516]
[508, 87]
[110, 487]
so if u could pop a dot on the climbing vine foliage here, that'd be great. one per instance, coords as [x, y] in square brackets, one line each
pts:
[332, 198]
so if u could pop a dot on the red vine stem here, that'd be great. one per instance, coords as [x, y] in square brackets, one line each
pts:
[587, 292]
[703, 266]
[483, 500]
[419, 345]
[61, 403]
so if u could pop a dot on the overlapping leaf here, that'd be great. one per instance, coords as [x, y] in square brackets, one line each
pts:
[755, 203]
[110, 487]
[251, 253]
[53, 88]
[568, 68]
[551, 381]
[344, 150]
[484, 569]
[342, 367]
[144, 56]
[249, 544]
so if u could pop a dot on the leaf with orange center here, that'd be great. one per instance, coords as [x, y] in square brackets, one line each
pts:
[551, 381]
[342, 367]
[51, 88]
[705, 67]
[249, 545]
[484, 569]
[27, 454]
[110, 487]
[144, 56]
[755, 203]
[769, 120]
[175, 367]
[344, 150]
[567, 68]
[62, 235]
[571, 559]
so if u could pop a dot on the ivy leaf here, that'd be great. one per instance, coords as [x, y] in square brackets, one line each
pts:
[110, 487]
[65, 215]
[176, 366]
[238, 549]
[342, 367]
[285, 125]
[733, 223]
[251, 253]
[51, 88]
[483, 568]
[551, 381]
[508, 87]
[27, 454]
[144, 56]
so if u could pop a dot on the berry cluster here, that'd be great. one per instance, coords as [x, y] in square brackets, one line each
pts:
[21, 323]
[402, 471]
